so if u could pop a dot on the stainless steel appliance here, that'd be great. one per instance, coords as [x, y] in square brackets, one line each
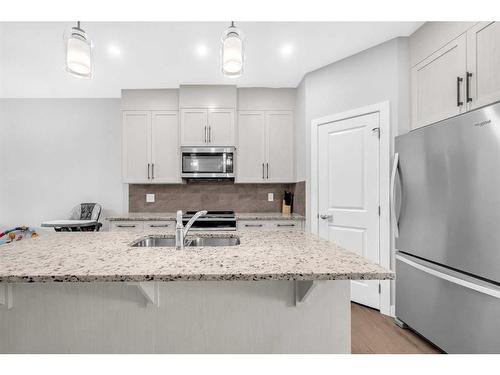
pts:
[207, 162]
[446, 216]
[212, 220]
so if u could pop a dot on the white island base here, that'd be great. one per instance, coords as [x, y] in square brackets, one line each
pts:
[177, 317]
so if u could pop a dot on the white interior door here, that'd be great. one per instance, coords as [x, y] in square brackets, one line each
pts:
[165, 150]
[250, 165]
[348, 187]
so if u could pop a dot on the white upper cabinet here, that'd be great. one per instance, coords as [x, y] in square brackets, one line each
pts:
[460, 76]
[251, 153]
[165, 150]
[279, 164]
[194, 127]
[483, 64]
[265, 147]
[221, 127]
[438, 84]
[207, 127]
[135, 146]
[150, 151]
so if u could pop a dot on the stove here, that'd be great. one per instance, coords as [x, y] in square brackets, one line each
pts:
[213, 220]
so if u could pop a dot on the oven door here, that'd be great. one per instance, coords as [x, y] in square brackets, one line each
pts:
[207, 162]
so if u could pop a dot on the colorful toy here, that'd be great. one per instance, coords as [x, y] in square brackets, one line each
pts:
[17, 234]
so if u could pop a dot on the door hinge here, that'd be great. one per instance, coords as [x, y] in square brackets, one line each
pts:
[379, 210]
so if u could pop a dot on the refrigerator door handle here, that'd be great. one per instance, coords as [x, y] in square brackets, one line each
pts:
[395, 216]
[449, 277]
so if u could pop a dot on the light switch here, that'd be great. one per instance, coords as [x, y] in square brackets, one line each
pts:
[270, 197]
[150, 198]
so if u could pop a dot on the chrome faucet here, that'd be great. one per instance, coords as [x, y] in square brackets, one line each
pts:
[181, 231]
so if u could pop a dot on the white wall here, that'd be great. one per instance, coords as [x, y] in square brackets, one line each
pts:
[376, 75]
[379, 74]
[56, 153]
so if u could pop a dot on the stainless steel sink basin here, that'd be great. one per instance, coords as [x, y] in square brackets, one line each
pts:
[190, 242]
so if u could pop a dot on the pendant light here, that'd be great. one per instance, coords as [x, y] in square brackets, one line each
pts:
[78, 53]
[232, 52]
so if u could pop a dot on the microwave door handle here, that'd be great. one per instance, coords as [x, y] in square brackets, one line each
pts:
[395, 217]
[224, 160]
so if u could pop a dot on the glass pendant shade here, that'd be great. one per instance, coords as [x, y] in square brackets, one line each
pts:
[78, 53]
[232, 52]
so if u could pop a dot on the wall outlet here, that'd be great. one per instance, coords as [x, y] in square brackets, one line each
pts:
[150, 198]
[270, 197]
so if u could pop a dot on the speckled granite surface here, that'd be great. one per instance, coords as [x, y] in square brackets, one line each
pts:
[108, 256]
[166, 216]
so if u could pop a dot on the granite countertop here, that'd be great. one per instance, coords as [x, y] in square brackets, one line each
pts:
[170, 216]
[108, 256]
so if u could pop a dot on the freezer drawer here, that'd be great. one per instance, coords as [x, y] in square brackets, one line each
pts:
[459, 314]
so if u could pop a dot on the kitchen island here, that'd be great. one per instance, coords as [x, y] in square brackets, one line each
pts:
[276, 292]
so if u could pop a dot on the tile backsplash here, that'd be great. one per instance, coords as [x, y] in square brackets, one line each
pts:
[213, 195]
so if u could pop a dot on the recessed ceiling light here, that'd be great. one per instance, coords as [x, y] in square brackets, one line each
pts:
[201, 50]
[286, 50]
[114, 50]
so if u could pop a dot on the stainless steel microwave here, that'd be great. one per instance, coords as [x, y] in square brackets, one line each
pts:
[207, 162]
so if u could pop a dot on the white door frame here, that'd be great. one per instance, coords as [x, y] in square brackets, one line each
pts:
[384, 178]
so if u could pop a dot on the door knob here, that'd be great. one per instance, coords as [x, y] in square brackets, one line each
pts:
[324, 217]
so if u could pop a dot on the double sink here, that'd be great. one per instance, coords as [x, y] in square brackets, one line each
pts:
[156, 241]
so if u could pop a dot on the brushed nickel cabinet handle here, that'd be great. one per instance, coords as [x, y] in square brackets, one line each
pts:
[158, 225]
[153, 171]
[126, 226]
[253, 225]
[205, 141]
[148, 172]
[263, 171]
[285, 225]
[267, 164]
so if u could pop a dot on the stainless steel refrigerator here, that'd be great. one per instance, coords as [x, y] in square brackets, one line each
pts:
[446, 217]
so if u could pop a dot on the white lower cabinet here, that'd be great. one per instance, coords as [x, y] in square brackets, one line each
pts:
[270, 224]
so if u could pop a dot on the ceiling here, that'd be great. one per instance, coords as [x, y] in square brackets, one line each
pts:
[166, 54]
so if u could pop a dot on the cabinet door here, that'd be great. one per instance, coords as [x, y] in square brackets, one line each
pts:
[136, 146]
[165, 149]
[483, 61]
[251, 151]
[194, 129]
[221, 127]
[279, 129]
[438, 84]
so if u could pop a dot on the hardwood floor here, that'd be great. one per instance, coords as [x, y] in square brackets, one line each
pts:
[374, 333]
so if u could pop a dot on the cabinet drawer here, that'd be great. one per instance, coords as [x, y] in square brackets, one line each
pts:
[126, 225]
[270, 224]
[159, 225]
[285, 224]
